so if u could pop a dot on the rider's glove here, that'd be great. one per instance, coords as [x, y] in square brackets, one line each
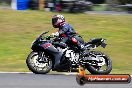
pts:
[48, 37]
[56, 34]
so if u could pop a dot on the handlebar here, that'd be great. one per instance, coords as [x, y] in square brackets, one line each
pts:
[43, 33]
[45, 37]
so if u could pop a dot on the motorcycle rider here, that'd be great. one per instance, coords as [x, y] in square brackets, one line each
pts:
[65, 30]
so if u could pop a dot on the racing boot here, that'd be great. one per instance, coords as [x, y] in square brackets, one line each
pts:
[81, 47]
[83, 50]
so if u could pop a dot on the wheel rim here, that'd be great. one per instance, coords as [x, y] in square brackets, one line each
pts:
[102, 66]
[40, 66]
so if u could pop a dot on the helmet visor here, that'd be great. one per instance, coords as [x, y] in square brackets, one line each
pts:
[54, 21]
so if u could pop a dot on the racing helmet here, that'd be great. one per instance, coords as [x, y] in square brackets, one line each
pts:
[58, 20]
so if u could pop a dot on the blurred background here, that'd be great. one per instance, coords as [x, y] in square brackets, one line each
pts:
[21, 21]
[69, 5]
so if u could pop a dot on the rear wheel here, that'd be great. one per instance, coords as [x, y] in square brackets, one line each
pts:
[36, 66]
[102, 66]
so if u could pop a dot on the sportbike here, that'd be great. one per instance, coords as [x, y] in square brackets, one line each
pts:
[46, 50]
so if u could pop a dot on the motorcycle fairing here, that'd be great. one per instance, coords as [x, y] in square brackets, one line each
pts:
[53, 51]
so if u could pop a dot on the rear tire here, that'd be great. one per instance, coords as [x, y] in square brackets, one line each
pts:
[93, 70]
[33, 64]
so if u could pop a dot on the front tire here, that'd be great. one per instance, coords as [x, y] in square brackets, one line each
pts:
[35, 66]
[96, 69]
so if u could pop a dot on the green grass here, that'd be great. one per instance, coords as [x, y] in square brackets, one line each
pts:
[99, 7]
[19, 28]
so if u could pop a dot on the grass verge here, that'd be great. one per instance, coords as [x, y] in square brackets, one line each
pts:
[19, 28]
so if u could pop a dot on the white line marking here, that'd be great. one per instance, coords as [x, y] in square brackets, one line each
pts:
[63, 73]
[17, 72]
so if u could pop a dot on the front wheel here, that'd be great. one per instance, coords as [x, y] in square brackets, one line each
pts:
[36, 66]
[101, 63]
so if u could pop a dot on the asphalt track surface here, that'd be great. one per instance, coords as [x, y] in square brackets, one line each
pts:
[30, 80]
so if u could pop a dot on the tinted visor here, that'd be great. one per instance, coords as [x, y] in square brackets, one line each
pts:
[54, 20]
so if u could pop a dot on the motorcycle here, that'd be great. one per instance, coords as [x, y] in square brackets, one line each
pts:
[46, 50]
